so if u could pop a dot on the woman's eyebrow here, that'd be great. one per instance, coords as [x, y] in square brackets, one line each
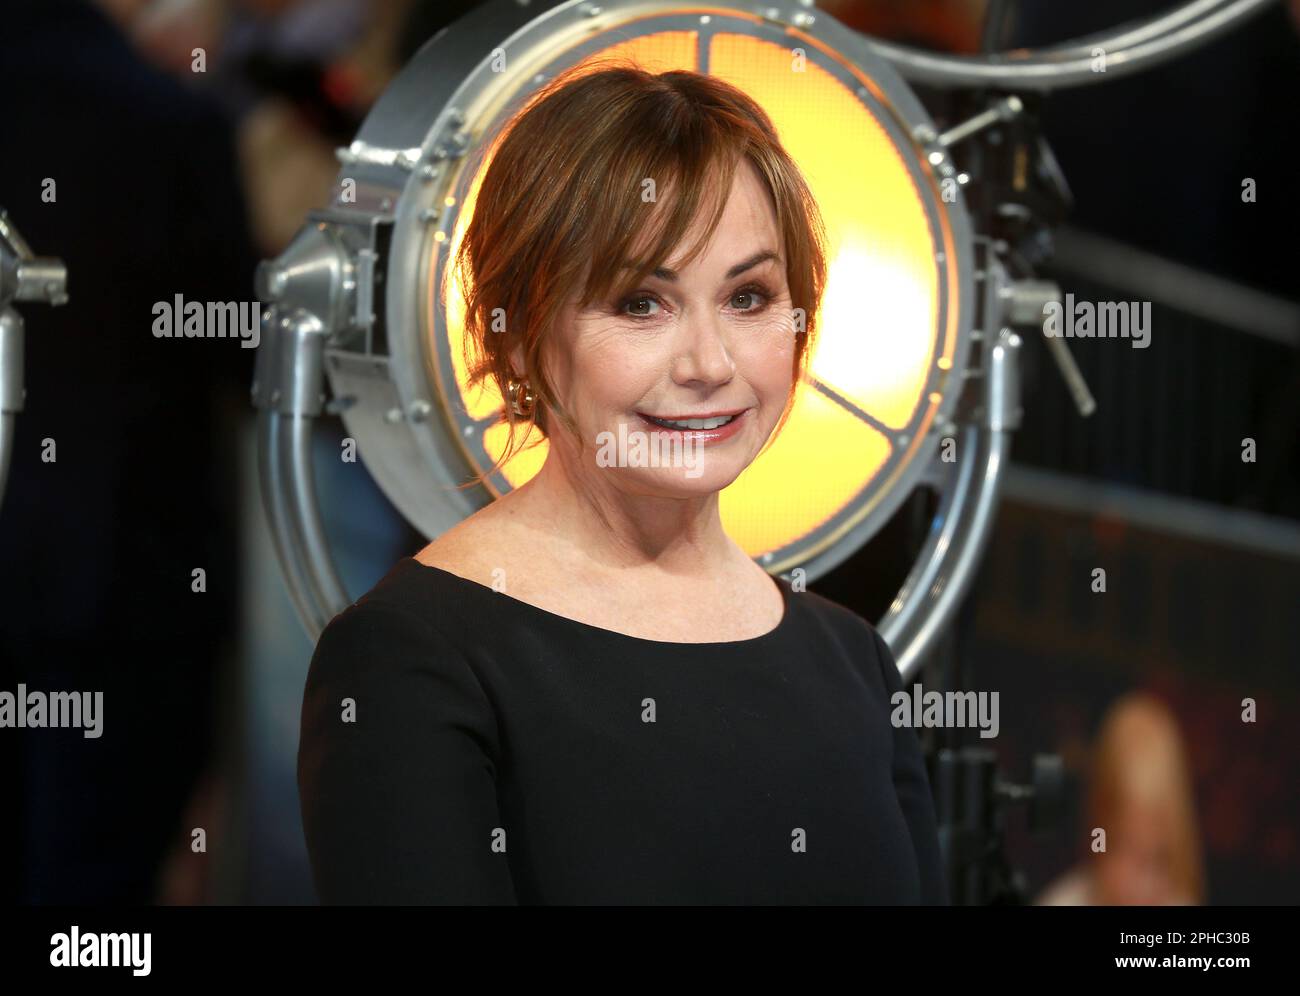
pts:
[663, 273]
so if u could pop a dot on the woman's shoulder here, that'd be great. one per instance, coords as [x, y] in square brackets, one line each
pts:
[857, 638]
[388, 649]
[840, 619]
[419, 588]
[392, 621]
[393, 711]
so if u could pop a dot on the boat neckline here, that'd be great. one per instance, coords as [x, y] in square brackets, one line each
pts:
[753, 641]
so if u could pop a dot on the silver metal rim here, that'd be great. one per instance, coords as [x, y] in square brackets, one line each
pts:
[416, 201]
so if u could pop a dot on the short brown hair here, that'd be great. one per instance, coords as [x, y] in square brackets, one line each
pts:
[564, 192]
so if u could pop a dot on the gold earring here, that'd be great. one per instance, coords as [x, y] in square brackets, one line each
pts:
[513, 391]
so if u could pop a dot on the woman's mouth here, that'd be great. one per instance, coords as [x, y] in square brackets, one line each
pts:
[709, 427]
[691, 423]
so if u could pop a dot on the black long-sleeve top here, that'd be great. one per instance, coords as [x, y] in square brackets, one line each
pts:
[460, 746]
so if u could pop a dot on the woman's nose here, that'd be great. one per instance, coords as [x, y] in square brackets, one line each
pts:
[705, 358]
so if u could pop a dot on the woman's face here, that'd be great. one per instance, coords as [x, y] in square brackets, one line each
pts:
[713, 339]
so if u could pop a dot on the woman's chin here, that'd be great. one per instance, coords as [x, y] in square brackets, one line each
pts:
[710, 477]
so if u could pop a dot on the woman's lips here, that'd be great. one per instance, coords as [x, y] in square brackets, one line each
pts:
[702, 435]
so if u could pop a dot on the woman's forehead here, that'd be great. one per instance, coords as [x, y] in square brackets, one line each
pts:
[748, 223]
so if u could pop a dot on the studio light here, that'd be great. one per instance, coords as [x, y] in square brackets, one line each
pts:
[917, 347]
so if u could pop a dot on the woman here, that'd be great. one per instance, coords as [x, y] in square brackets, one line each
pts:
[587, 693]
[1141, 840]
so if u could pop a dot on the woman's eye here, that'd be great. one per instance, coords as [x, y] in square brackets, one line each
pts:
[753, 297]
[636, 303]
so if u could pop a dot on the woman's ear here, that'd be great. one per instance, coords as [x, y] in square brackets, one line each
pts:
[517, 361]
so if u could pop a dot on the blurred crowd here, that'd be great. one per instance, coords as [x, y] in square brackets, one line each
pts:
[158, 148]
[295, 78]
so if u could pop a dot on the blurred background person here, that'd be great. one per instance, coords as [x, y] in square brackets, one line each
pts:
[131, 178]
[1140, 794]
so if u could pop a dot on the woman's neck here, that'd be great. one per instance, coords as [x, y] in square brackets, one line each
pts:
[585, 518]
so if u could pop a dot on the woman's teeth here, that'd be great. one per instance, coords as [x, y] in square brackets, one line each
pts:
[691, 423]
